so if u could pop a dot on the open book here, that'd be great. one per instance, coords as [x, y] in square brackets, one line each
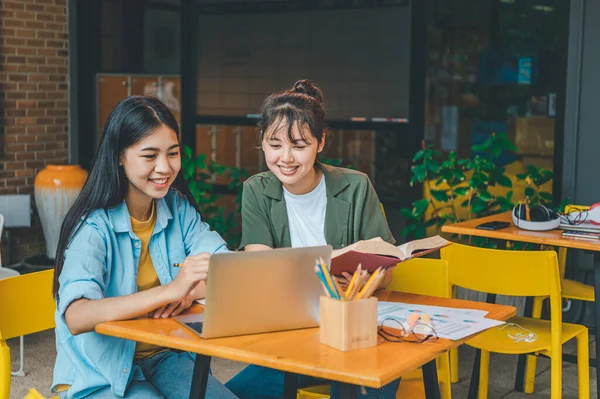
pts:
[372, 254]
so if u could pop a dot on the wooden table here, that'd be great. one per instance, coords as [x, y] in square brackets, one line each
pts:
[552, 237]
[300, 352]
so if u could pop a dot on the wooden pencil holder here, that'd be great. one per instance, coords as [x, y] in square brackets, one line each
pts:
[348, 325]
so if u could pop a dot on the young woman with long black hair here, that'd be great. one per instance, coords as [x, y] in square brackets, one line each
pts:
[133, 220]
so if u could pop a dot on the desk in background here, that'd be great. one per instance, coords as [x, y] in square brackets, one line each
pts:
[551, 237]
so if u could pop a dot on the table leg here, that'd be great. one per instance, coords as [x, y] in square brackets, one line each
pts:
[348, 391]
[290, 385]
[474, 383]
[430, 379]
[200, 377]
[597, 313]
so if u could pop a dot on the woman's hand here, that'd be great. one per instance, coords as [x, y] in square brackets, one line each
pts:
[173, 308]
[193, 270]
[343, 280]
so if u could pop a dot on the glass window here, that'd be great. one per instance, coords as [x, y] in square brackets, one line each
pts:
[495, 66]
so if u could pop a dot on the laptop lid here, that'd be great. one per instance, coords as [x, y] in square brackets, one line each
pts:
[256, 292]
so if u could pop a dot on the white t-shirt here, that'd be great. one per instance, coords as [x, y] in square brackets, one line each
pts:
[306, 216]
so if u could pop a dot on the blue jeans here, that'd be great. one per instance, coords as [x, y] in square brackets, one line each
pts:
[168, 375]
[256, 382]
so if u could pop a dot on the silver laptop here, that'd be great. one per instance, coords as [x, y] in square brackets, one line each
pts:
[257, 292]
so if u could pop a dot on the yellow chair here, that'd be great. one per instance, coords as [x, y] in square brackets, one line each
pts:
[26, 306]
[570, 289]
[424, 277]
[314, 392]
[520, 273]
[34, 394]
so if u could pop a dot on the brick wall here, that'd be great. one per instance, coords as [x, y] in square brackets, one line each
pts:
[33, 102]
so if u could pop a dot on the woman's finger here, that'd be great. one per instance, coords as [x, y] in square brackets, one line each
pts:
[347, 275]
[343, 283]
[167, 312]
[180, 308]
[156, 314]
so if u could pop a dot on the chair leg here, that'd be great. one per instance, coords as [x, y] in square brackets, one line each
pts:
[444, 376]
[4, 370]
[583, 365]
[530, 369]
[20, 372]
[454, 378]
[484, 373]
[556, 376]
[531, 362]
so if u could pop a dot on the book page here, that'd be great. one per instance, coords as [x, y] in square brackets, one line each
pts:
[408, 249]
[378, 248]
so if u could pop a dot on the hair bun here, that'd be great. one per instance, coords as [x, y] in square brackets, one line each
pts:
[307, 87]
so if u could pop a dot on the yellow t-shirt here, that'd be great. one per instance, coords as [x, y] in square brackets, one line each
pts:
[147, 277]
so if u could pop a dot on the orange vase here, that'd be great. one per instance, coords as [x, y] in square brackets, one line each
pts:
[56, 188]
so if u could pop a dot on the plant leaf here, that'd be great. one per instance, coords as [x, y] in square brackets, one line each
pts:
[503, 181]
[461, 191]
[420, 207]
[529, 192]
[439, 195]
[485, 195]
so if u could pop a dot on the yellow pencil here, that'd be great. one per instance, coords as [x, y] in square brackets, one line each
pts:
[353, 281]
[368, 285]
[360, 281]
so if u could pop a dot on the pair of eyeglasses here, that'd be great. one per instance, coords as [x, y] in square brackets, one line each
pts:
[417, 331]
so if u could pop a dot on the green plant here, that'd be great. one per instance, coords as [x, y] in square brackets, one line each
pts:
[467, 183]
[198, 171]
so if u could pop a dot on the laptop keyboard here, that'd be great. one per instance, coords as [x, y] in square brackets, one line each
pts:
[196, 326]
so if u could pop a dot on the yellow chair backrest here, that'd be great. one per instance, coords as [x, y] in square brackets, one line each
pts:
[518, 273]
[421, 276]
[26, 306]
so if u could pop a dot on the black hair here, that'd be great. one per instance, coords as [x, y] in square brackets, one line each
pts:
[303, 104]
[132, 119]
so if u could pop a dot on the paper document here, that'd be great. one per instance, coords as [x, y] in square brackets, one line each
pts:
[201, 301]
[430, 310]
[449, 323]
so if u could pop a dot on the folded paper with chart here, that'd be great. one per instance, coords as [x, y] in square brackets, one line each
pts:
[449, 323]
[373, 254]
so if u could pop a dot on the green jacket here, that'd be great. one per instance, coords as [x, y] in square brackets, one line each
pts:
[353, 210]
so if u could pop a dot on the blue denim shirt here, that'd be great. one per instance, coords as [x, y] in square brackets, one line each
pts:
[102, 261]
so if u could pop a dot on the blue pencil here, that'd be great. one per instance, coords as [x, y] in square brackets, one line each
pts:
[331, 289]
[326, 287]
